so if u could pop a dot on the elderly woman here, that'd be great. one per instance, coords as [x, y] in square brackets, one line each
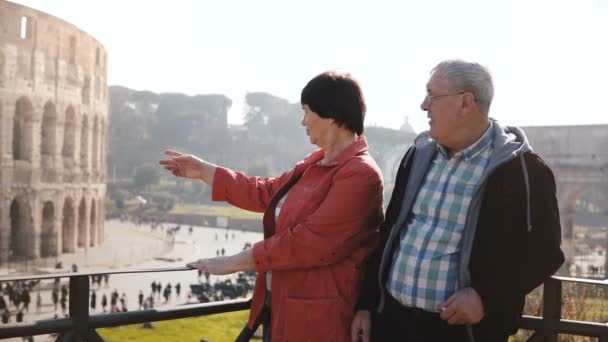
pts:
[311, 260]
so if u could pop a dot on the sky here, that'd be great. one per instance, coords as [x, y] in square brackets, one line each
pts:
[547, 57]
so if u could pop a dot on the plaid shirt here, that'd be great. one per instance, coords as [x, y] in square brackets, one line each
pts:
[424, 271]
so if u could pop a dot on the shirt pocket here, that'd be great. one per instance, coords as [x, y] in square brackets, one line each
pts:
[311, 320]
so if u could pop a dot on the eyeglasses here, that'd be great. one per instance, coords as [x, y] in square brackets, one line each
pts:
[430, 97]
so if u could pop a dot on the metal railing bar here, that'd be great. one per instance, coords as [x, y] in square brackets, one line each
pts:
[124, 318]
[60, 326]
[79, 303]
[565, 326]
[531, 323]
[552, 307]
[136, 317]
[177, 269]
[109, 271]
[68, 336]
[603, 282]
[582, 328]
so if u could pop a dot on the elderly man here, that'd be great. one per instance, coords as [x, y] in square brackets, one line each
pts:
[471, 228]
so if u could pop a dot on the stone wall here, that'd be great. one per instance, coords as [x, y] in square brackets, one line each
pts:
[579, 159]
[53, 126]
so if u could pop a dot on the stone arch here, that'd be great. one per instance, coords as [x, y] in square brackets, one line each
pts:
[68, 231]
[48, 130]
[84, 143]
[1, 125]
[97, 88]
[101, 230]
[69, 134]
[582, 205]
[82, 224]
[22, 242]
[576, 205]
[93, 224]
[86, 91]
[17, 131]
[2, 67]
[567, 204]
[48, 235]
[96, 144]
[22, 129]
[103, 145]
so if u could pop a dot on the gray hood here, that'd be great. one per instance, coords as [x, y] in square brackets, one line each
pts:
[509, 142]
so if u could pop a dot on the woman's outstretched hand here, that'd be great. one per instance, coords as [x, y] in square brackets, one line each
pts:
[188, 166]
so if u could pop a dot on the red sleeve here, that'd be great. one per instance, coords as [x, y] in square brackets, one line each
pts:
[348, 217]
[249, 193]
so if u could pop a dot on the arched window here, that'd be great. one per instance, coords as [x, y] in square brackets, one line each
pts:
[68, 230]
[69, 133]
[2, 68]
[48, 237]
[82, 224]
[22, 130]
[95, 148]
[84, 143]
[48, 130]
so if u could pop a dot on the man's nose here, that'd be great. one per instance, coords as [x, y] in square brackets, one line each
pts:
[425, 105]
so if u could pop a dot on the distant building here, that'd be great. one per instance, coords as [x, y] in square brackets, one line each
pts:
[406, 127]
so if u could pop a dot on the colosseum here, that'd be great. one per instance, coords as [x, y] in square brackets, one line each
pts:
[53, 125]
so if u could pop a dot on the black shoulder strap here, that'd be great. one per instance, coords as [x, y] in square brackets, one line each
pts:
[269, 222]
[269, 219]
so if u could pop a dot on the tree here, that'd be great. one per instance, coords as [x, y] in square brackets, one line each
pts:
[258, 168]
[146, 176]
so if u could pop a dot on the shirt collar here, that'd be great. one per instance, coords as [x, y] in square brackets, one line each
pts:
[472, 150]
[360, 145]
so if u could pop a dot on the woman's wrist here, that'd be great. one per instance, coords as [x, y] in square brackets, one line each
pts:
[244, 261]
[207, 172]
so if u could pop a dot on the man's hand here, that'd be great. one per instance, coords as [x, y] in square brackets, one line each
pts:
[463, 307]
[361, 326]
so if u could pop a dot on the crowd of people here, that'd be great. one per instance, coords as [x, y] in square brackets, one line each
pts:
[15, 299]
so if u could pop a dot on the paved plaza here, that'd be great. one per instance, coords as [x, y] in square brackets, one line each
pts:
[140, 247]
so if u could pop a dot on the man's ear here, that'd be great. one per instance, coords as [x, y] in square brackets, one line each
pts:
[468, 101]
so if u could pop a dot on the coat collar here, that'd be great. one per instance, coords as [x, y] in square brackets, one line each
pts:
[359, 146]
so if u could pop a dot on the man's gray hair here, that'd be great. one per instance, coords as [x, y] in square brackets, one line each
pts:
[468, 77]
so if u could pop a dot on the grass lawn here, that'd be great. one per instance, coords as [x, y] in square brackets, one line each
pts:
[225, 327]
[215, 211]
[213, 328]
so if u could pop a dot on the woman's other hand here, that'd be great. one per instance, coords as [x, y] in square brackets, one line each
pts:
[241, 262]
[216, 266]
